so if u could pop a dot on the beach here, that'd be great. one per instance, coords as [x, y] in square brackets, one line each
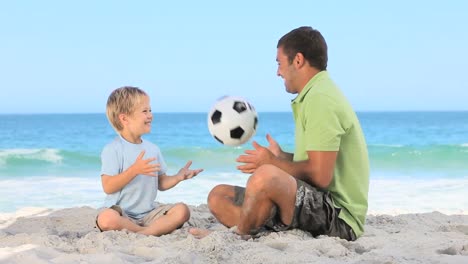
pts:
[35, 235]
[51, 190]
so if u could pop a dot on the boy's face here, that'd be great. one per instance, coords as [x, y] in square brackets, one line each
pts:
[139, 122]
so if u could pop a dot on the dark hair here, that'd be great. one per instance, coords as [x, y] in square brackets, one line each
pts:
[307, 41]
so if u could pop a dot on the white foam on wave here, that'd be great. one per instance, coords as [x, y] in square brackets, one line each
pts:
[387, 145]
[386, 195]
[195, 191]
[47, 154]
[50, 192]
[392, 197]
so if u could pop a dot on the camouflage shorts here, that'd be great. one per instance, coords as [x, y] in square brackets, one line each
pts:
[314, 212]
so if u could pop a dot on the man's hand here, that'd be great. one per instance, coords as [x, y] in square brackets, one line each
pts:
[185, 173]
[258, 156]
[274, 147]
[144, 166]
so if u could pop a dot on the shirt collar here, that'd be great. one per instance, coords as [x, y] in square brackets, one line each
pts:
[319, 76]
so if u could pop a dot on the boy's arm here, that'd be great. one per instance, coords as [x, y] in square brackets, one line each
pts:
[112, 184]
[115, 183]
[166, 182]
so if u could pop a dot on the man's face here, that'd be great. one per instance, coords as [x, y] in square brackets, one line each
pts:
[286, 71]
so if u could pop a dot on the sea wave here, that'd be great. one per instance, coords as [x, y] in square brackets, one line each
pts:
[449, 158]
[49, 155]
[44, 161]
[386, 195]
[440, 159]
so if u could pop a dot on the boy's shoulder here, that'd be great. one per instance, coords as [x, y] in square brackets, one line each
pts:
[112, 145]
[114, 142]
[150, 144]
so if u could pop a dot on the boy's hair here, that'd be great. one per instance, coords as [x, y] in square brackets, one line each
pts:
[307, 41]
[122, 101]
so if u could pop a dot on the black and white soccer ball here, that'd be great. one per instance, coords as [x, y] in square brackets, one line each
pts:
[232, 120]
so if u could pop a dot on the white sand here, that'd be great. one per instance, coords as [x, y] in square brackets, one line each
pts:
[69, 236]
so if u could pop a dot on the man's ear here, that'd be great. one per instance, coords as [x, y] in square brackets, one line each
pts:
[299, 60]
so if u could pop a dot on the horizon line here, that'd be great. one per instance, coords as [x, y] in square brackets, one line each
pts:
[200, 112]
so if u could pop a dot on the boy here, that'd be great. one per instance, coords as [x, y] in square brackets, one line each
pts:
[133, 170]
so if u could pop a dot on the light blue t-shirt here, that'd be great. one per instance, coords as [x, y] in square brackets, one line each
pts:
[138, 196]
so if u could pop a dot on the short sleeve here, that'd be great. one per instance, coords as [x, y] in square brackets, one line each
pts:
[322, 126]
[109, 161]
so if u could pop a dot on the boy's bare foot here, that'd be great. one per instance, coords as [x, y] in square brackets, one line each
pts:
[199, 232]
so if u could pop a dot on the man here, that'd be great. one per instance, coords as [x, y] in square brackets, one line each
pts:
[322, 187]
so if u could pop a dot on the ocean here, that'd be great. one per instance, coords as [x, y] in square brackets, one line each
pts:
[419, 160]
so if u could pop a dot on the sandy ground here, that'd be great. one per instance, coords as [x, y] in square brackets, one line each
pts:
[35, 235]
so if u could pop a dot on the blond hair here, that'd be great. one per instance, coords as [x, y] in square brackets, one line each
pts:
[122, 101]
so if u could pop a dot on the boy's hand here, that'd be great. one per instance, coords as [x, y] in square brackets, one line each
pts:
[144, 166]
[185, 173]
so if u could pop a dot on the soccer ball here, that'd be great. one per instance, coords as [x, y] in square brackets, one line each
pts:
[232, 120]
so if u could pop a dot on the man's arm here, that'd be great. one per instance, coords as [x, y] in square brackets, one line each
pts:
[316, 170]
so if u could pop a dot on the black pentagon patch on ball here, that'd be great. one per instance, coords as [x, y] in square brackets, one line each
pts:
[255, 123]
[239, 107]
[220, 141]
[237, 132]
[216, 117]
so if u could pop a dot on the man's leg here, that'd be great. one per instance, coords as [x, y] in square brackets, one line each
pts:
[223, 206]
[267, 187]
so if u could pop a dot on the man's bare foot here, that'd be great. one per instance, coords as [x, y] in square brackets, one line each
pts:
[242, 236]
[199, 232]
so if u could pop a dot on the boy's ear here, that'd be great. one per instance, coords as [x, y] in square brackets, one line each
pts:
[122, 118]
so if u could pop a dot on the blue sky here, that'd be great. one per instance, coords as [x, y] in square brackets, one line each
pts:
[67, 56]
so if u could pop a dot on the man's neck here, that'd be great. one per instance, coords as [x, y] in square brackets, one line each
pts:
[309, 73]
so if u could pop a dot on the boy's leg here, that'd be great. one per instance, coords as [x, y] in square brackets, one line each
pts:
[166, 219]
[112, 219]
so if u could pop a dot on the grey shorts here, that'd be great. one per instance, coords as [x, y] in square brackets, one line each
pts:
[314, 212]
[146, 220]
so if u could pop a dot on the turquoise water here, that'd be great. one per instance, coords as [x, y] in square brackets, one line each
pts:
[52, 160]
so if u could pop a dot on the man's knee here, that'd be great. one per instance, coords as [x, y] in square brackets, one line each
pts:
[215, 194]
[263, 177]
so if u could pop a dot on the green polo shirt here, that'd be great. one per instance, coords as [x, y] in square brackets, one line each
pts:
[325, 121]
